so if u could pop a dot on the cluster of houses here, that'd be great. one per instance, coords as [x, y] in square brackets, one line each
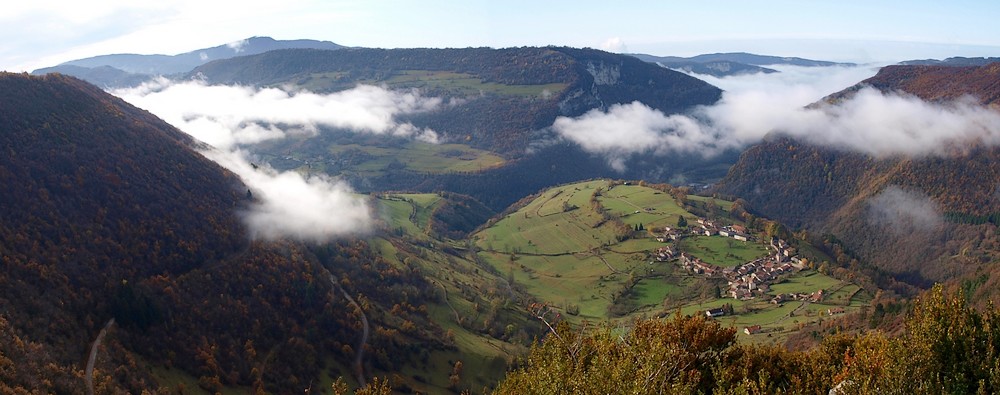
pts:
[697, 266]
[708, 228]
[800, 296]
[746, 281]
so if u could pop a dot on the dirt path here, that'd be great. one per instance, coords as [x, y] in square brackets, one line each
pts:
[93, 356]
[359, 355]
[606, 263]
[458, 318]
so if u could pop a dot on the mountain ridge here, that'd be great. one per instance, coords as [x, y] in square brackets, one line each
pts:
[126, 70]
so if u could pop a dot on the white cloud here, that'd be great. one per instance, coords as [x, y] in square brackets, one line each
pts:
[870, 122]
[633, 128]
[227, 116]
[237, 46]
[904, 211]
[614, 44]
[287, 204]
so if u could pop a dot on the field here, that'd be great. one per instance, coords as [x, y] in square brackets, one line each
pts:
[335, 154]
[722, 251]
[546, 226]
[725, 205]
[641, 205]
[419, 157]
[562, 250]
[552, 248]
[448, 81]
[463, 291]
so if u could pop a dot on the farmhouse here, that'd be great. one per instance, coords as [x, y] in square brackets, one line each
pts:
[712, 313]
[753, 329]
[835, 311]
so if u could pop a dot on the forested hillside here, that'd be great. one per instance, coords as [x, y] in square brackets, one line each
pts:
[923, 218]
[111, 220]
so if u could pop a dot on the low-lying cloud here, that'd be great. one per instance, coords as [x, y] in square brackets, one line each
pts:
[287, 204]
[754, 106]
[904, 211]
[226, 116]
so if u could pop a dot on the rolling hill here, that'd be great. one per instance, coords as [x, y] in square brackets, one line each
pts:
[924, 219]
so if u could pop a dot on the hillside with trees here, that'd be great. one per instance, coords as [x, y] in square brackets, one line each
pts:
[114, 225]
[922, 219]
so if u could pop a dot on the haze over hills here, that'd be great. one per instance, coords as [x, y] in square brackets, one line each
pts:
[501, 101]
[926, 216]
[953, 61]
[729, 64]
[122, 70]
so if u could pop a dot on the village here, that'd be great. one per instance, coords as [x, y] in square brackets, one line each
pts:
[746, 281]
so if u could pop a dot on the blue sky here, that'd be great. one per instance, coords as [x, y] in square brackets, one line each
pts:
[43, 33]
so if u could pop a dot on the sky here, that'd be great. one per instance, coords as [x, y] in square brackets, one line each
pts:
[43, 33]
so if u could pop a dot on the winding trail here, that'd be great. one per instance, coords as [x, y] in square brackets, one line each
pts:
[359, 356]
[93, 356]
[458, 318]
[601, 257]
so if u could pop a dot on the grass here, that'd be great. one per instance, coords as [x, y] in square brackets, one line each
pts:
[725, 205]
[637, 245]
[722, 251]
[655, 208]
[449, 81]
[409, 212]
[652, 291]
[419, 157]
[463, 83]
[808, 282]
[543, 227]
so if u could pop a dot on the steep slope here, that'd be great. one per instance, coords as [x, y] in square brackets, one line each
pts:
[99, 193]
[935, 83]
[110, 214]
[928, 218]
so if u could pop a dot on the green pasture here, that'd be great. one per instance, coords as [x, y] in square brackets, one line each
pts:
[722, 251]
[655, 208]
[725, 205]
[806, 282]
[420, 157]
[408, 211]
[429, 80]
[467, 84]
[545, 227]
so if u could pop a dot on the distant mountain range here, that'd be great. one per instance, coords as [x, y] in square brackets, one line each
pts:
[726, 64]
[954, 61]
[120, 70]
